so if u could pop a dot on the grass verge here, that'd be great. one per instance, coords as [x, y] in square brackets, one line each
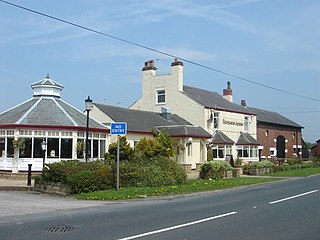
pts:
[195, 185]
[303, 172]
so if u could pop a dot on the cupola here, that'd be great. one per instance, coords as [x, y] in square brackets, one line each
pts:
[46, 87]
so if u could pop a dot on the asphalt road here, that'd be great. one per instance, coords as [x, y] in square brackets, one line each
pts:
[284, 210]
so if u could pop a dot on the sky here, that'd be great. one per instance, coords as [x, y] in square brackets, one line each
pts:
[268, 49]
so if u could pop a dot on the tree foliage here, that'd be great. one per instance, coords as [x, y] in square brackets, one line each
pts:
[125, 153]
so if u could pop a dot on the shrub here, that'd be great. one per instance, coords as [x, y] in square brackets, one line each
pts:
[293, 161]
[125, 151]
[156, 171]
[214, 169]
[101, 175]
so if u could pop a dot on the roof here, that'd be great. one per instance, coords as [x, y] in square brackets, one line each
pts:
[265, 116]
[47, 111]
[246, 139]
[219, 137]
[145, 121]
[214, 100]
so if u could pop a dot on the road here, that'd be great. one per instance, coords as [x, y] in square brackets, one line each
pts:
[283, 210]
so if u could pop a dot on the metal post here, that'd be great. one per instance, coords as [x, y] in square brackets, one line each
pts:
[87, 136]
[29, 174]
[118, 161]
[44, 159]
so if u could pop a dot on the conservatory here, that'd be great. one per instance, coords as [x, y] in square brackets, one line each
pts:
[46, 129]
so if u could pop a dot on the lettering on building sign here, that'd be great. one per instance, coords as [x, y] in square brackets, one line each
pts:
[233, 123]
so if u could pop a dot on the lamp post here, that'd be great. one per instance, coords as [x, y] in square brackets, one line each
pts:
[88, 105]
[43, 146]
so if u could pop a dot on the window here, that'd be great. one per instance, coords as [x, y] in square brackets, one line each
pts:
[189, 150]
[102, 148]
[66, 148]
[37, 149]
[220, 151]
[26, 152]
[53, 148]
[246, 123]
[95, 148]
[161, 96]
[10, 151]
[216, 120]
[2, 147]
[80, 148]
[247, 151]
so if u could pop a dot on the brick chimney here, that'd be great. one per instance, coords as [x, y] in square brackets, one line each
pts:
[227, 93]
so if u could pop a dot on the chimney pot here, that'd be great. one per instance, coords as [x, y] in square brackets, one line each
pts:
[149, 65]
[176, 62]
[227, 93]
[243, 103]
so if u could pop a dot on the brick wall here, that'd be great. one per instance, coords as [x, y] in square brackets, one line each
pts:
[267, 135]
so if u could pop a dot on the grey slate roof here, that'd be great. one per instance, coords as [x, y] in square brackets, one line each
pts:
[47, 82]
[145, 121]
[219, 137]
[47, 111]
[265, 116]
[246, 139]
[213, 100]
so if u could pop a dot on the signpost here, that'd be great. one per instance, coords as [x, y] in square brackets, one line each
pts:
[119, 129]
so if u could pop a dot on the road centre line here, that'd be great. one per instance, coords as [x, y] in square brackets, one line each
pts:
[292, 197]
[178, 226]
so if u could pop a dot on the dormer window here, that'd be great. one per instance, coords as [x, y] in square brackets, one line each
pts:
[161, 96]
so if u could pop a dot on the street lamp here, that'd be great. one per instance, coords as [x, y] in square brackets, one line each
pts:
[88, 105]
[43, 146]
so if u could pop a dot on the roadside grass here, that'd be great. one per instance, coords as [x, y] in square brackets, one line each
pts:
[192, 186]
[303, 172]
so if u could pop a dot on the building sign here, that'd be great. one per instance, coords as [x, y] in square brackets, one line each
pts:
[233, 123]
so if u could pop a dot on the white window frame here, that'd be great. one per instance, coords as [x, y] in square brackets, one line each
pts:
[161, 93]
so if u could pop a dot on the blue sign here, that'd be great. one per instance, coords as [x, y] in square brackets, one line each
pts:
[118, 128]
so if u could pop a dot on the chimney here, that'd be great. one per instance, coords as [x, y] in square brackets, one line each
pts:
[227, 93]
[166, 113]
[177, 74]
[176, 62]
[149, 65]
[243, 103]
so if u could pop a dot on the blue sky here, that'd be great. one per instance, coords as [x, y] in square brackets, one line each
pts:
[270, 42]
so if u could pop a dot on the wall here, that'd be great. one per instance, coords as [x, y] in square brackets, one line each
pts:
[267, 135]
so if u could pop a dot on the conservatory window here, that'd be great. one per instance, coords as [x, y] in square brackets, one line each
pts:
[66, 147]
[53, 148]
[26, 152]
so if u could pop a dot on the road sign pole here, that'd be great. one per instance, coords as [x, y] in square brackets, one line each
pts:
[118, 162]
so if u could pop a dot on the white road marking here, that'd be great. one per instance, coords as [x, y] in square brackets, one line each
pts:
[292, 197]
[178, 226]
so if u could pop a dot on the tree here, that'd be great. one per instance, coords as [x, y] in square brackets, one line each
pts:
[125, 153]
[165, 141]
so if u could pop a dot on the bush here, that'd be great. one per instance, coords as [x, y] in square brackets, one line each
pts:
[101, 175]
[214, 169]
[293, 161]
[156, 171]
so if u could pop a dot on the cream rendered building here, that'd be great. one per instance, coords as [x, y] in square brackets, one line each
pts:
[190, 141]
[233, 127]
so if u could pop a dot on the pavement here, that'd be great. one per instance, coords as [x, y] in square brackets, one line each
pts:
[14, 182]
